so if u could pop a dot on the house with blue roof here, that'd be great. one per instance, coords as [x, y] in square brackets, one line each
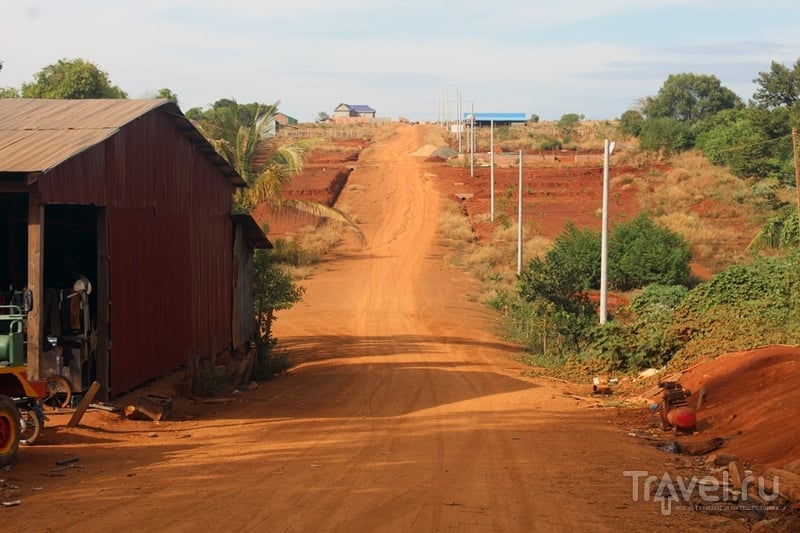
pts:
[353, 111]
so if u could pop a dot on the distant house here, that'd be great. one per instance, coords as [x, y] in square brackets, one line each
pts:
[277, 123]
[353, 111]
[285, 120]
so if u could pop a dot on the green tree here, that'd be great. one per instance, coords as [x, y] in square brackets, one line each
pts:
[8, 92]
[72, 79]
[322, 116]
[273, 289]
[168, 94]
[576, 254]
[567, 123]
[561, 281]
[241, 135]
[742, 140]
[753, 142]
[641, 253]
[778, 87]
[630, 123]
[690, 97]
[665, 134]
[534, 119]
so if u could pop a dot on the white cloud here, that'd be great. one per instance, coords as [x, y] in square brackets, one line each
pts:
[399, 55]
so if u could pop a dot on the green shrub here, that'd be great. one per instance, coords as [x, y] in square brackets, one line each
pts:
[630, 123]
[665, 134]
[547, 143]
[642, 253]
[268, 363]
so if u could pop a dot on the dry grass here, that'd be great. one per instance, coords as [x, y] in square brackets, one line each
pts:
[317, 241]
[588, 136]
[536, 246]
[713, 210]
[454, 226]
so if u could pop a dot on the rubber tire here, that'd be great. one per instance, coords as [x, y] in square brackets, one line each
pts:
[9, 430]
[33, 426]
[59, 392]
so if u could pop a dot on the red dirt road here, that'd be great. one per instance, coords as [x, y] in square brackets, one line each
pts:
[404, 413]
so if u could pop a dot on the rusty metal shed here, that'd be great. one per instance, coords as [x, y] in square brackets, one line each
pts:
[129, 195]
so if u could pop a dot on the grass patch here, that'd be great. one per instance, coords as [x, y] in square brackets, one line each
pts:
[453, 225]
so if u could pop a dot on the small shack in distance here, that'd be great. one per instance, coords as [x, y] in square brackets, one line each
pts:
[499, 119]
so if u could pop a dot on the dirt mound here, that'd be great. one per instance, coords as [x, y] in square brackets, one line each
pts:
[751, 397]
[426, 151]
[444, 153]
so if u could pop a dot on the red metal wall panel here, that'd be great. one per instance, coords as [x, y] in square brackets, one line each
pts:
[150, 295]
[170, 244]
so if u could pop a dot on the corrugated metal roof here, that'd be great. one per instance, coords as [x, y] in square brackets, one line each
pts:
[38, 134]
[253, 234]
[497, 117]
[361, 108]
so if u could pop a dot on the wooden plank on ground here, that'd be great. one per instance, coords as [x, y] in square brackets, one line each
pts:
[87, 399]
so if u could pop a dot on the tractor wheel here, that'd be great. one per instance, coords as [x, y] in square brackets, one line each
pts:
[9, 430]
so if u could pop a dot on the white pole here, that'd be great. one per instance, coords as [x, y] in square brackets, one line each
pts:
[472, 143]
[604, 245]
[519, 220]
[459, 118]
[491, 165]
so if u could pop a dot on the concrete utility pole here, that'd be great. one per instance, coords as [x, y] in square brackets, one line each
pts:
[609, 147]
[519, 220]
[491, 166]
[447, 109]
[472, 143]
[459, 118]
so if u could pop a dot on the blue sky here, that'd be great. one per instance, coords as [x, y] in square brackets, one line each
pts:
[403, 57]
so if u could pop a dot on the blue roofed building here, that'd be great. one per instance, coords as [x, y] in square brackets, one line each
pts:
[499, 119]
[353, 111]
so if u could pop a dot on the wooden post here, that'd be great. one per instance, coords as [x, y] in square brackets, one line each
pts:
[35, 317]
[796, 168]
[87, 399]
[102, 354]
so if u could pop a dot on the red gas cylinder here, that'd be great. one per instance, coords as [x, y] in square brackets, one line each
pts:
[682, 417]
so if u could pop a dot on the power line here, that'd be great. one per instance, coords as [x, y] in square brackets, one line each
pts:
[743, 146]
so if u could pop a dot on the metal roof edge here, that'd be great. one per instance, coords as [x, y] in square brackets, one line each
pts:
[111, 132]
[255, 236]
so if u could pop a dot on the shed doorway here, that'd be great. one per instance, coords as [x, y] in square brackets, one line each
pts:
[69, 302]
[74, 278]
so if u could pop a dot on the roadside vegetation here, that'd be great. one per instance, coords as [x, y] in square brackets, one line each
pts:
[730, 157]
[722, 158]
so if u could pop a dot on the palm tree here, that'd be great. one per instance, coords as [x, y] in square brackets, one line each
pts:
[781, 232]
[239, 134]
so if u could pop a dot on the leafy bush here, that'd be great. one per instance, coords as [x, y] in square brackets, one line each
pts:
[665, 134]
[642, 253]
[558, 283]
[547, 143]
[567, 123]
[552, 293]
[781, 232]
[737, 141]
[630, 123]
[742, 307]
[267, 362]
